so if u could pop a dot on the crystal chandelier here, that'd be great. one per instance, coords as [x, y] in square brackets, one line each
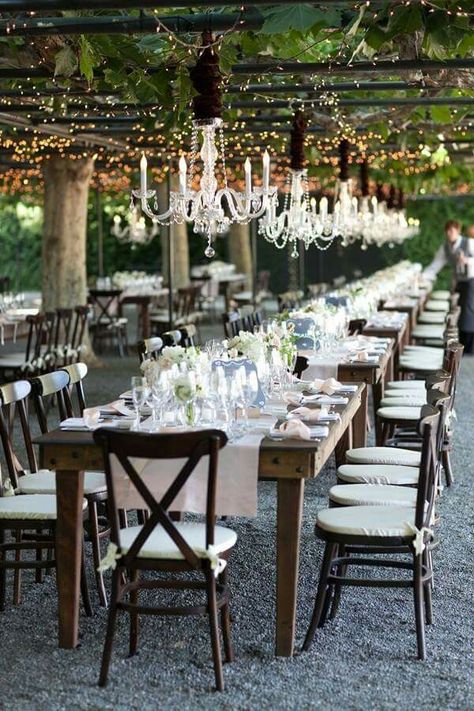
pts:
[298, 221]
[136, 231]
[345, 215]
[215, 205]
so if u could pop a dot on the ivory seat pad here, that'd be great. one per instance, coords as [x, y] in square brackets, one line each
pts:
[160, 545]
[383, 455]
[428, 330]
[406, 384]
[380, 521]
[44, 482]
[431, 317]
[442, 294]
[372, 495]
[437, 305]
[386, 474]
[34, 507]
[409, 400]
[399, 413]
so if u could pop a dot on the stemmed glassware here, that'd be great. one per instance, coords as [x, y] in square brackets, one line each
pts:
[249, 390]
[139, 396]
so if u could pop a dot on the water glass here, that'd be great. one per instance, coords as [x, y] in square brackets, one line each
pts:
[139, 396]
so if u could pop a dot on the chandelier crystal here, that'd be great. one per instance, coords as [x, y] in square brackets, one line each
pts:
[214, 206]
[136, 232]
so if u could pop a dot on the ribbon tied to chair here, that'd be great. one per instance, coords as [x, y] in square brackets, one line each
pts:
[419, 540]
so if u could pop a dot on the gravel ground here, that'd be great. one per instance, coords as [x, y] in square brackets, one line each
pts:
[363, 660]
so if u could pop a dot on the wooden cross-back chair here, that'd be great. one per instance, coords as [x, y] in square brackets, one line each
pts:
[149, 348]
[162, 544]
[77, 373]
[81, 317]
[25, 363]
[351, 531]
[56, 385]
[233, 323]
[30, 516]
[107, 324]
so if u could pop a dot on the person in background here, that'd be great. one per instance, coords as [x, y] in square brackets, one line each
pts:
[458, 251]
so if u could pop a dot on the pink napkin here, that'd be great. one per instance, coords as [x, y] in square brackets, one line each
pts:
[292, 398]
[310, 414]
[328, 386]
[295, 429]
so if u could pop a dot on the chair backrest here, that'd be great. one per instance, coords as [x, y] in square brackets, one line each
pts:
[106, 304]
[129, 488]
[77, 373]
[428, 427]
[356, 326]
[35, 336]
[16, 394]
[172, 338]
[149, 348]
[80, 322]
[232, 323]
[43, 386]
[188, 335]
[63, 330]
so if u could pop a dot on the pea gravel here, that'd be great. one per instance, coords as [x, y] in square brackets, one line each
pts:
[365, 659]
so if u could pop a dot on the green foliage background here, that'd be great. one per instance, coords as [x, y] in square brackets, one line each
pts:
[21, 228]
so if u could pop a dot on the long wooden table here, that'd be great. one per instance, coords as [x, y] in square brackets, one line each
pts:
[289, 462]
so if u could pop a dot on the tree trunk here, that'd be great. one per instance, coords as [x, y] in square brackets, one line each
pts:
[179, 240]
[240, 252]
[66, 188]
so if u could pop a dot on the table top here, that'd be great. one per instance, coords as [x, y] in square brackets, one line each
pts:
[73, 451]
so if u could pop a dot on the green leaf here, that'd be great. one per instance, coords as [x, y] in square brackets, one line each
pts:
[405, 20]
[66, 62]
[86, 59]
[375, 37]
[441, 114]
[300, 17]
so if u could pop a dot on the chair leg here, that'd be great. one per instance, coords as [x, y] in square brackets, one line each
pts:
[86, 600]
[320, 596]
[109, 635]
[39, 572]
[3, 572]
[214, 626]
[134, 576]
[17, 573]
[418, 594]
[448, 470]
[225, 622]
[94, 535]
[338, 587]
[427, 589]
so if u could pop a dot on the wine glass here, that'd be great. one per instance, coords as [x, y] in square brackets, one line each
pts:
[249, 385]
[139, 396]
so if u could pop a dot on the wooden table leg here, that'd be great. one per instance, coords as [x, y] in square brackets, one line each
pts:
[69, 541]
[377, 395]
[359, 422]
[289, 516]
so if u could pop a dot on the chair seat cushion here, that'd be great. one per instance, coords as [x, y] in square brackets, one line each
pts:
[44, 482]
[408, 400]
[437, 305]
[442, 294]
[421, 363]
[432, 317]
[406, 384]
[428, 330]
[370, 521]
[372, 495]
[385, 474]
[160, 545]
[34, 507]
[383, 455]
[399, 413]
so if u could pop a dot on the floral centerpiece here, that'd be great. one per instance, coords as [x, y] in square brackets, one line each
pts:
[246, 344]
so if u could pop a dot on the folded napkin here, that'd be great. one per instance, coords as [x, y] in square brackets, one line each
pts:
[292, 398]
[328, 386]
[295, 429]
[309, 413]
[119, 407]
[321, 398]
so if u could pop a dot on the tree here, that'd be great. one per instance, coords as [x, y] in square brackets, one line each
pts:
[66, 187]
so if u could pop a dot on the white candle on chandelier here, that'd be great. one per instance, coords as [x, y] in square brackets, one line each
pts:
[266, 170]
[182, 175]
[143, 169]
[323, 207]
[312, 204]
[248, 177]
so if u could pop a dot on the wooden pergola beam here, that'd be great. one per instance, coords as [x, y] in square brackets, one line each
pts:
[385, 66]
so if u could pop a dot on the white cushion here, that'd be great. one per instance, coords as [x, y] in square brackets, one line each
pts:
[422, 363]
[160, 545]
[385, 474]
[442, 294]
[44, 482]
[372, 495]
[437, 305]
[428, 330]
[399, 413]
[28, 507]
[432, 317]
[409, 400]
[377, 521]
[407, 384]
[383, 455]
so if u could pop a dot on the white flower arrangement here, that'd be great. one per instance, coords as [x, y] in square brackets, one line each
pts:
[247, 344]
[151, 370]
[184, 388]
